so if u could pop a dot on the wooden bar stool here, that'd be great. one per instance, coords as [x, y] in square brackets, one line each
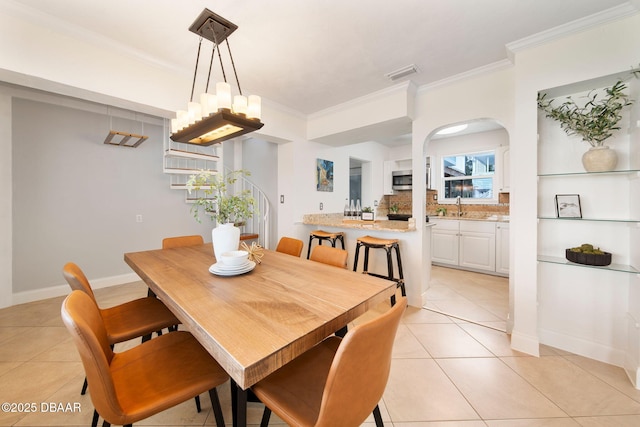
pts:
[325, 235]
[387, 244]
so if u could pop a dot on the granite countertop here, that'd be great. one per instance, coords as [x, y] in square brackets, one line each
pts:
[337, 220]
[475, 217]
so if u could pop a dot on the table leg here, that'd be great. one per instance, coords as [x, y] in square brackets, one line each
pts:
[238, 405]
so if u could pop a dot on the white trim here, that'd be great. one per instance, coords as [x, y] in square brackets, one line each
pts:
[404, 87]
[485, 69]
[582, 24]
[524, 343]
[61, 290]
[582, 347]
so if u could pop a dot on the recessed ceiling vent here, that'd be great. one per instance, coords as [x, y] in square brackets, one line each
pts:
[402, 72]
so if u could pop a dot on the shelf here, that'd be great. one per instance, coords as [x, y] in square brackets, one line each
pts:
[627, 221]
[612, 267]
[172, 152]
[620, 172]
[184, 171]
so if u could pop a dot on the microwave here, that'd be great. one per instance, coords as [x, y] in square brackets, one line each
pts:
[401, 180]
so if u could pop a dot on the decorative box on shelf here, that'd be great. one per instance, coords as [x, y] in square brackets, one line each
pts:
[367, 216]
[588, 259]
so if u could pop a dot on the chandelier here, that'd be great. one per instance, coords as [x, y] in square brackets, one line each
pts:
[216, 117]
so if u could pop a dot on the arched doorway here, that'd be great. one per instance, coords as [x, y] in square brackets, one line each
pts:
[467, 198]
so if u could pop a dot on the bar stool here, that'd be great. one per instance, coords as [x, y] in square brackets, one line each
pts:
[325, 235]
[387, 244]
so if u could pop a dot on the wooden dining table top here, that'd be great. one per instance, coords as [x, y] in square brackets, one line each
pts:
[256, 322]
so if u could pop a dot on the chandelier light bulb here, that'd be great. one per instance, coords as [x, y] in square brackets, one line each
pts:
[240, 104]
[254, 109]
[195, 112]
[183, 119]
[223, 92]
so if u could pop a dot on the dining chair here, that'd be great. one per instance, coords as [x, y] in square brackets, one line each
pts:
[179, 241]
[132, 385]
[337, 383]
[138, 318]
[330, 255]
[289, 245]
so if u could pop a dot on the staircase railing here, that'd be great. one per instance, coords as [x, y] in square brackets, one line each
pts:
[260, 222]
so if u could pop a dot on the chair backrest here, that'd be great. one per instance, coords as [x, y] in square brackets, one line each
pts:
[330, 255]
[360, 370]
[289, 245]
[82, 318]
[179, 241]
[77, 280]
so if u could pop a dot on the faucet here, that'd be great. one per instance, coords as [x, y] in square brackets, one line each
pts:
[459, 204]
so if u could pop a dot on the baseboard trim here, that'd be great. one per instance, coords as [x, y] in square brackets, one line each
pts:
[61, 290]
[582, 347]
[525, 343]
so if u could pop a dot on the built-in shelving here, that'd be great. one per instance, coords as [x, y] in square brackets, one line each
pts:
[612, 267]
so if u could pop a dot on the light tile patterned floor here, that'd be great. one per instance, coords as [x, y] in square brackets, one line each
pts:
[445, 373]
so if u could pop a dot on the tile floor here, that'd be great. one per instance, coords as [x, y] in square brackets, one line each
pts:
[479, 298]
[445, 373]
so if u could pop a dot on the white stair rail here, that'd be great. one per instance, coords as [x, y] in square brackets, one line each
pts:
[260, 223]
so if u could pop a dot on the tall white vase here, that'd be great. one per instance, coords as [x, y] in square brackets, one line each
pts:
[225, 237]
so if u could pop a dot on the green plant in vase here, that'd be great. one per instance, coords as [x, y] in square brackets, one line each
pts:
[218, 199]
[594, 120]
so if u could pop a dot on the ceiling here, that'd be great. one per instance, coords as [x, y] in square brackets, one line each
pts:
[313, 54]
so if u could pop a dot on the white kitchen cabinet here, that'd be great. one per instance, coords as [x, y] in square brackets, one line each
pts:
[478, 245]
[467, 244]
[502, 248]
[503, 164]
[387, 181]
[445, 242]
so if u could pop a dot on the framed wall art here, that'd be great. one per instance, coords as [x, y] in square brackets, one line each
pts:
[568, 206]
[324, 175]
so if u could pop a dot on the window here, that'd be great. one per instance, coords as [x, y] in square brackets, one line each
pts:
[469, 176]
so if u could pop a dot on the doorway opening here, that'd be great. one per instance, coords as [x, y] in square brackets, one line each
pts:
[459, 286]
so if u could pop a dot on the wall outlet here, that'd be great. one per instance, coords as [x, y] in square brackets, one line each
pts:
[282, 198]
[138, 218]
[321, 206]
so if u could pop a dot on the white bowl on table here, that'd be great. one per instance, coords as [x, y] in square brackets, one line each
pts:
[234, 258]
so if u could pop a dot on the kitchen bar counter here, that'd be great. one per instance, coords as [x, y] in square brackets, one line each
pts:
[337, 220]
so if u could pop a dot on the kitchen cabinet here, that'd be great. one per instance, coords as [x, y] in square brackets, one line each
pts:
[445, 241]
[468, 244]
[388, 167]
[502, 248]
[503, 165]
[478, 245]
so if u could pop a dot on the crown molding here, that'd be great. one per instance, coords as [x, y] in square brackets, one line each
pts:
[582, 24]
[407, 86]
[485, 69]
[76, 32]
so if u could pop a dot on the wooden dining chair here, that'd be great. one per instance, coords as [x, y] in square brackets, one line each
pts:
[135, 384]
[339, 382]
[330, 255]
[290, 246]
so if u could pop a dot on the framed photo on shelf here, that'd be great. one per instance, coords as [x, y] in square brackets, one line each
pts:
[568, 206]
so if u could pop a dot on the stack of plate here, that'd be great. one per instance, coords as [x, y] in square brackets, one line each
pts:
[221, 269]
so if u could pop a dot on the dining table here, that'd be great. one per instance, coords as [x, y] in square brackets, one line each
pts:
[255, 322]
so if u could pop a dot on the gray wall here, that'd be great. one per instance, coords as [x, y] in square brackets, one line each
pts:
[76, 199]
[261, 159]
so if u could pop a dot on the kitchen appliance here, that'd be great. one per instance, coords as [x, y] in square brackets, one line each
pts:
[401, 180]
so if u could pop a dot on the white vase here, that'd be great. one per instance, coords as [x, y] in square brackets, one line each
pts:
[225, 237]
[599, 159]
